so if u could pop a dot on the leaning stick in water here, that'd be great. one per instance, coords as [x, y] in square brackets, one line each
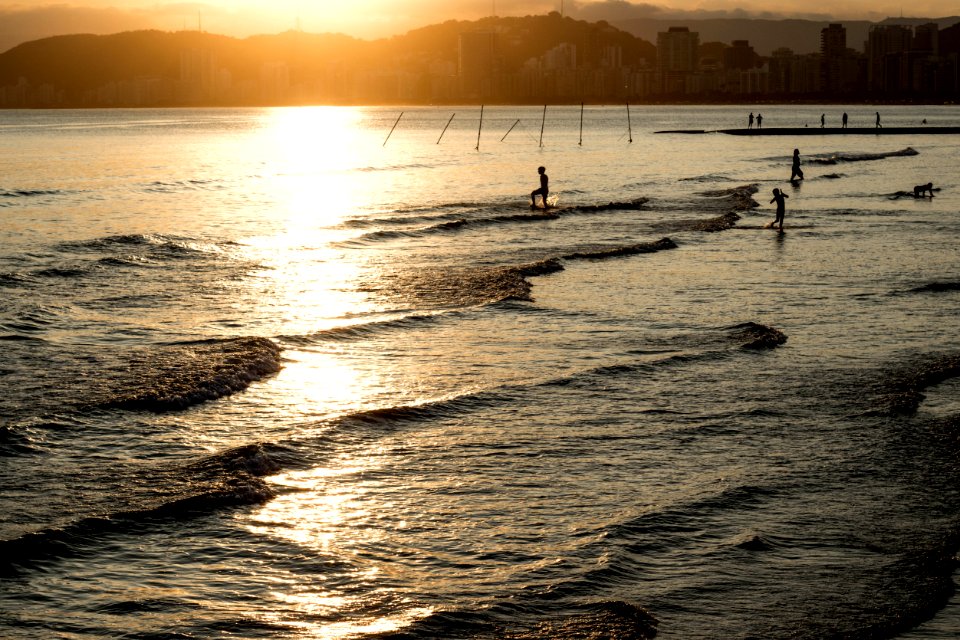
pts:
[509, 130]
[445, 128]
[480, 128]
[542, 122]
[392, 128]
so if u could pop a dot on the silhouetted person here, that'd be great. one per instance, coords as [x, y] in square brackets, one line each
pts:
[544, 189]
[795, 171]
[823, 119]
[921, 189]
[924, 121]
[844, 119]
[879, 126]
[750, 121]
[779, 197]
[759, 121]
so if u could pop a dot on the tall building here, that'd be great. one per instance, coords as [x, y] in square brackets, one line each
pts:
[740, 55]
[884, 47]
[677, 58]
[197, 75]
[477, 63]
[833, 45]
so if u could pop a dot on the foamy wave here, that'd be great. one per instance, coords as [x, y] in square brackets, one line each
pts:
[629, 250]
[902, 391]
[229, 478]
[179, 377]
[838, 157]
[453, 224]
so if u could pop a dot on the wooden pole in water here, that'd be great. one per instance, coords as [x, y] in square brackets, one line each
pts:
[542, 122]
[629, 127]
[480, 128]
[392, 128]
[509, 130]
[445, 128]
[581, 125]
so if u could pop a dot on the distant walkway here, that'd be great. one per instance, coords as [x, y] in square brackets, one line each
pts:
[817, 131]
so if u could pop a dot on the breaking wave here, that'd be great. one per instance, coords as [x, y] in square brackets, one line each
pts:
[178, 377]
[839, 157]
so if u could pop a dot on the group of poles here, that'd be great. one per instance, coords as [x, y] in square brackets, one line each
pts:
[542, 123]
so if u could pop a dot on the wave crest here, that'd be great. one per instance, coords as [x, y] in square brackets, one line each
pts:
[177, 378]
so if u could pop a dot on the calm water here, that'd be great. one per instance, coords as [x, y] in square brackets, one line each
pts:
[269, 374]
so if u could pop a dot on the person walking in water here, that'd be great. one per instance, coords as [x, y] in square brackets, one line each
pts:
[844, 120]
[544, 189]
[759, 121]
[779, 197]
[750, 121]
[879, 126]
[823, 119]
[796, 171]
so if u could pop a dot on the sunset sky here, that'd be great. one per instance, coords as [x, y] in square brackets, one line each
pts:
[27, 20]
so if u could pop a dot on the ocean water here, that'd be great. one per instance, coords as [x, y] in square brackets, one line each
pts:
[323, 373]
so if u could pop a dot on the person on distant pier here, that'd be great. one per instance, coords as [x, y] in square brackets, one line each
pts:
[921, 189]
[779, 197]
[823, 119]
[796, 172]
[844, 120]
[750, 121]
[544, 189]
[759, 121]
[879, 126]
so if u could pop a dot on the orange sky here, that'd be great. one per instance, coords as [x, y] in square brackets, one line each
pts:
[22, 20]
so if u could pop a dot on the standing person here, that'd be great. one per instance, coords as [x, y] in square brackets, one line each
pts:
[544, 189]
[823, 119]
[795, 171]
[759, 121]
[750, 121]
[879, 126]
[844, 120]
[779, 197]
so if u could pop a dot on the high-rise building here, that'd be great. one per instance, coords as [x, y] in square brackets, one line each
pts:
[477, 63]
[833, 45]
[739, 55]
[677, 57]
[885, 44]
[197, 74]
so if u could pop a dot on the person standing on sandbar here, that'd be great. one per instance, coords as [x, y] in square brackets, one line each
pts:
[879, 126]
[544, 189]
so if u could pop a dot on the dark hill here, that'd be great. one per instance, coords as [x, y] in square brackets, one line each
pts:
[82, 62]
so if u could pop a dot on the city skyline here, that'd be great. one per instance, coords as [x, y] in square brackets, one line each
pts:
[529, 60]
[372, 19]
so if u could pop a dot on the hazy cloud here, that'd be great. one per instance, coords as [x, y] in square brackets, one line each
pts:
[20, 24]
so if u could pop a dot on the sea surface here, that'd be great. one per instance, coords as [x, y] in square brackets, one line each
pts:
[323, 373]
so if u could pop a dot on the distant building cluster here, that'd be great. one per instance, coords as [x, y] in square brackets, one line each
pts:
[897, 62]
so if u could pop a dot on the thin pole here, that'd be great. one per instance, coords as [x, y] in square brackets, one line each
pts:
[445, 128]
[542, 122]
[509, 130]
[480, 128]
[392, 128]
[581, 125]
[629, 127]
